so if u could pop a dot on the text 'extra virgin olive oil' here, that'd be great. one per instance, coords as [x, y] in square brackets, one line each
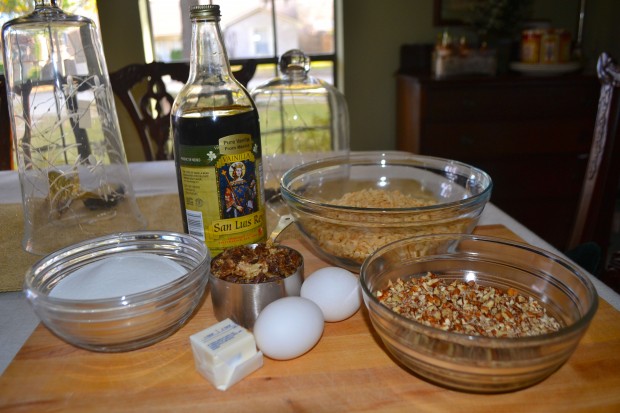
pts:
[217, 145]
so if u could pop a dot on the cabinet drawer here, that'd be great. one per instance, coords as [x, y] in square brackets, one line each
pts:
[509, 102]
[489, 139]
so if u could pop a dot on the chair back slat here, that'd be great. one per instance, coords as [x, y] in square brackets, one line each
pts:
[149, 106]
[594, 217]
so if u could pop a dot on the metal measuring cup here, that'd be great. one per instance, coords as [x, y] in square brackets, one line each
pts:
[242, 303]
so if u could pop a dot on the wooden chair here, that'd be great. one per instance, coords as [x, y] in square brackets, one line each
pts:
[6, 144]
[600, 188]
[246, 72]
[149, 107]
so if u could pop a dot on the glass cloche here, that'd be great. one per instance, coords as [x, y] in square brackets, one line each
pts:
[72, 166]
[302, 118]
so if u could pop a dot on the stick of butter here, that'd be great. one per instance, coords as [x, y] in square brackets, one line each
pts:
[225, 353]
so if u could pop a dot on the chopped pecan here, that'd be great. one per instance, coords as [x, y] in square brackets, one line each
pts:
[250, 265]
[467, 307]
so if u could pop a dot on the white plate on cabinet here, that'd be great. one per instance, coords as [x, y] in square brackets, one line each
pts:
[548, 69]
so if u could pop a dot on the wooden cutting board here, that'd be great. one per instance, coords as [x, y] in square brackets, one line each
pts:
[348, 370]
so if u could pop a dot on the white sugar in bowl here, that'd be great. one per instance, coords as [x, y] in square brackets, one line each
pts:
[119, 292]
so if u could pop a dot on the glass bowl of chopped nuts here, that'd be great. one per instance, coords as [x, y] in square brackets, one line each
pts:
[348, 206]
[474, 313]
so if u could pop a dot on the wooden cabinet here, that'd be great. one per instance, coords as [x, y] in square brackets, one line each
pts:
[531, 134]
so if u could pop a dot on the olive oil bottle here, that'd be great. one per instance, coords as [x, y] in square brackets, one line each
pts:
[217, 145]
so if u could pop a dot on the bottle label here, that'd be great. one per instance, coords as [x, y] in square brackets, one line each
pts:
[222, 193]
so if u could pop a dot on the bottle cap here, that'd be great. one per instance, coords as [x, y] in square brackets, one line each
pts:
[205, 11]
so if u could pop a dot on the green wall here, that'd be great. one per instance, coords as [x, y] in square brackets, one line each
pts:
[372, 33]
[121, 33]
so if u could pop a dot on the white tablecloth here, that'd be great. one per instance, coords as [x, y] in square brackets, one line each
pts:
[17, 320]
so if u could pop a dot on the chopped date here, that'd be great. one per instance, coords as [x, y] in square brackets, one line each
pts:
[251, 265]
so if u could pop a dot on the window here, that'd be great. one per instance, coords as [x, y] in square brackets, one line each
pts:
[257, 29]
[12, 9]
[260, 42]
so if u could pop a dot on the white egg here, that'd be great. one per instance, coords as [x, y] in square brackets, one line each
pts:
[335, 290]
[288, 328]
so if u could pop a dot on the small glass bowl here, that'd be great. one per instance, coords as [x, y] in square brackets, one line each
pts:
[346, 235]
[127, 322]
[470, 362]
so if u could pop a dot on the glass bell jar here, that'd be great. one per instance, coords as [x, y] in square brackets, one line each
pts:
[302, 118]
[72, 166]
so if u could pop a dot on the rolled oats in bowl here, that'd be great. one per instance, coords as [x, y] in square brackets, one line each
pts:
[356, 242]
[348, 207]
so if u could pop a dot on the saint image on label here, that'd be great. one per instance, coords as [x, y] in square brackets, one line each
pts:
[238, 189]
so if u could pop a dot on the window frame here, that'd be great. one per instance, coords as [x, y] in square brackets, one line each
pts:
[273, 60]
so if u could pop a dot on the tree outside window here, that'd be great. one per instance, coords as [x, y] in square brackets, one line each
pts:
[10, 9]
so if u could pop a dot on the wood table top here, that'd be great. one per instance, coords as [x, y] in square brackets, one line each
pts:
[348, 370]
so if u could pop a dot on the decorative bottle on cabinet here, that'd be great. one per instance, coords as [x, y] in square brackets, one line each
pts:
[217, 145]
